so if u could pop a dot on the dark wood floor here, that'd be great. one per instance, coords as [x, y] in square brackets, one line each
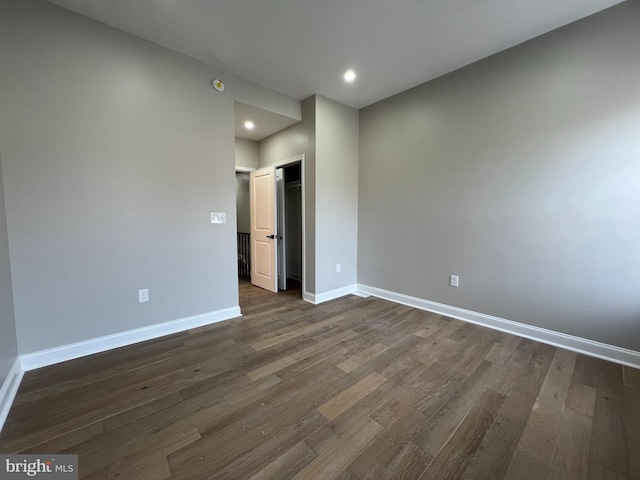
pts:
[352, 389]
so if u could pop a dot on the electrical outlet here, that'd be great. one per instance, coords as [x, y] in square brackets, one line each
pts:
[338, 267]
[218, 217]
[143, 295]
[453, 280]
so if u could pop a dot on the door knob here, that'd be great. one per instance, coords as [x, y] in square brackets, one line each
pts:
[271, 236]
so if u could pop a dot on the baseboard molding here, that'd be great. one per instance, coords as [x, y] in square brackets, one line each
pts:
[330, 295]
[577, 344]
[43, 358]
[9, 389]
[361, 294]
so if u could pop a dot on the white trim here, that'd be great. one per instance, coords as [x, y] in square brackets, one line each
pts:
[330, 295]
[577, 344]
[9, 390]
[245, 169]
[43, 358]
[361, 294]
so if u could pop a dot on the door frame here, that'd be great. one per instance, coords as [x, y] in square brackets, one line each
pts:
[285, 163]
[281, 227]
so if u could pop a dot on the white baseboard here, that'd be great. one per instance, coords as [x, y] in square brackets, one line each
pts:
[577, 344]
[9, 389]
[309, 297]
[330, 295]
[361, 294]
[43, 358]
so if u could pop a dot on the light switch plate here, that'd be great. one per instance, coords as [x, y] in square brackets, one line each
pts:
[218, 217]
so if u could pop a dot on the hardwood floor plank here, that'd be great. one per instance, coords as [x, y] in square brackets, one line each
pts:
[98, 454]
[445, 386]
[242, 393]
[141, 411]
[220, 446]
[598, 472]
[588, 370]
[452, 459]
[72, 416]
[493, 457]
[362, 357]
[581, 398]
[554, 390]
[335, 339]
[257, 458]
[151, 462]
[432, 384]
[540, 436]
[341, 453]
[502, 351]
[609, 442]
[69, 440]
[346, 475]
[535, 370]
[122, 442]
[480, 342]
[99, 475]
[314, 327]
[525, 467]
[571, 456]
[373, 462]
[631, 377]
[155, 466]
[631, 418]
[410, 463]
[446, 414]
[349, 397]
[287, 464]
[404, 351]
[611, 390]
[270, 368]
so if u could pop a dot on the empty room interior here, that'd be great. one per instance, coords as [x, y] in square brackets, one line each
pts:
[320, 240]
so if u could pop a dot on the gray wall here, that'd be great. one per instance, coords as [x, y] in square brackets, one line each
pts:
[115, 151]
[336, 194]
[328, 136]
[8, 341]
[246, 153]
[243, 212]
[520, 174]
[297, 140]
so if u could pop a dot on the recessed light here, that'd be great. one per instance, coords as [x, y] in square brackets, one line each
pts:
[249, 125]
[349, 76]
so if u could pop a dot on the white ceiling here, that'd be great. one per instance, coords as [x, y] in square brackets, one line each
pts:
[302, 47]
[266, 122]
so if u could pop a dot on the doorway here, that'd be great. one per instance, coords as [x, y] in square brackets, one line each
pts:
[243, 227]
[289, 225]
[277, 207]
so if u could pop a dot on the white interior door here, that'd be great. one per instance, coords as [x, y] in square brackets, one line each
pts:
[262, 198]
[281, 230]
